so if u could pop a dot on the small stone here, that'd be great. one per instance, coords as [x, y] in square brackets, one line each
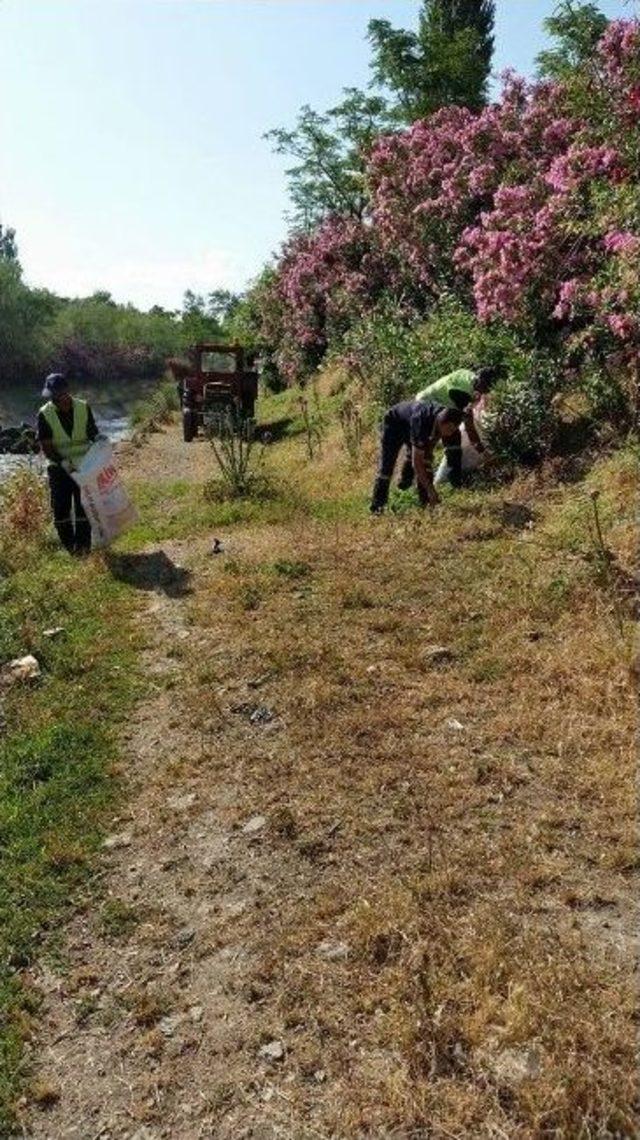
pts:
[122, 839]
[21, 669]
[55, 632]
[274, 1051]
[333, 951]
[319, 1076]
[256, 823]
[455, 725]
[182, 803]
[185, 937]
[261, 715]
[217, 547]
[168, 1025]
[196, 1013]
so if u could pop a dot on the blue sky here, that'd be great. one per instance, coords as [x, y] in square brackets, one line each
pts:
[131, 149]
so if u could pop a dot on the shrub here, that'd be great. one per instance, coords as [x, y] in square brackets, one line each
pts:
[147, 415]
[521, 421]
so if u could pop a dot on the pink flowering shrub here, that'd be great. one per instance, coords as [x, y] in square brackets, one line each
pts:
[527, 213]
[325, 281]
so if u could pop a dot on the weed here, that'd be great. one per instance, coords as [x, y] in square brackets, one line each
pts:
[118, 918]
[238, 454]
[291, 569]
[354, 429]
[147, 1007]
[314, 424]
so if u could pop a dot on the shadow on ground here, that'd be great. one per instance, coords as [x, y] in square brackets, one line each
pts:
[275, 431]
[150, 572]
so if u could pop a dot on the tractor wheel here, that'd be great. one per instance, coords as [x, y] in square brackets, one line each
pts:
[189, 425]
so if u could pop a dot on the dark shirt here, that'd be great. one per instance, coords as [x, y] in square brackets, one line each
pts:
[460, 399]
[415, 421]
[66, 419]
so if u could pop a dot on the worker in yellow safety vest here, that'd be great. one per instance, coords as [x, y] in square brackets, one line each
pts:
[66, 430]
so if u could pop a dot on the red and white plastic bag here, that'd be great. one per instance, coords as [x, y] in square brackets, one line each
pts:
[107, 504]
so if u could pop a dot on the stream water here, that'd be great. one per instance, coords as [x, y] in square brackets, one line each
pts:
[112, 403]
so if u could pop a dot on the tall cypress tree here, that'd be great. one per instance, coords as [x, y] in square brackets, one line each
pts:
[446, 61]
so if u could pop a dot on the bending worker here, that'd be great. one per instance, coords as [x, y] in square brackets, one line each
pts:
[460, 390]
[417, 426]
[66, 430]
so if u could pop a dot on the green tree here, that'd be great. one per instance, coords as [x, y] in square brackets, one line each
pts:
[197, 323]
[24, 317]
[576, 29]
[329, 151]
[221, 305]
[446, 61]
[8, 247]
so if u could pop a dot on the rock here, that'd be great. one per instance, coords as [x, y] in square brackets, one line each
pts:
[217, 547]
[333, 951]
[122, 839]
[274, 1051]
[437, 655]
[261, 715]
[319, 1076]
[185, 937]
[455, 725]
[168, 1025]
[182, 803]
[196, 1013]
[55, 632]
[255, 824]
[20, 670]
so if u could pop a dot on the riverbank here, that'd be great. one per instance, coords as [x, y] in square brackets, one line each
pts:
[372, 862]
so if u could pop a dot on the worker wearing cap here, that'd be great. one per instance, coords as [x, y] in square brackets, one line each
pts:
[417, 426]
[460, 390]
[66, 430]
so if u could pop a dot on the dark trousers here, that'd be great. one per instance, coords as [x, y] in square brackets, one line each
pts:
[392, 440]
[69, 518]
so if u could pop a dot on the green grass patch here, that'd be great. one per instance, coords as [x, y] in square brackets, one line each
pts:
[57, 757]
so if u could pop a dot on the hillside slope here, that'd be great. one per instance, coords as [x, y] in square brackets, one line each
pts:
[374, 872]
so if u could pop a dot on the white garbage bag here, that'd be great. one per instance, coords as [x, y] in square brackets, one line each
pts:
[109, 508]
[471, 459]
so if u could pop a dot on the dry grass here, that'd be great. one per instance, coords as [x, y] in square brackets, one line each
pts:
[475, 882]
[23, 518]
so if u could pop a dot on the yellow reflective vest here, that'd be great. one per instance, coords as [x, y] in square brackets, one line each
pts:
[440, 392]
[72, 447]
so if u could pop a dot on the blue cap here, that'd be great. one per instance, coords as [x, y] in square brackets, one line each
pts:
[55, 384]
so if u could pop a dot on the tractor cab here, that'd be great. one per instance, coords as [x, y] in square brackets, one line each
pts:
[222, 380]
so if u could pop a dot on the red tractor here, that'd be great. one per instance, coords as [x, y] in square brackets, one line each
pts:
[220, 380]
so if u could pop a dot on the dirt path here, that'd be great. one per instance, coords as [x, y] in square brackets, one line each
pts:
[164, 457]
[135, 1024]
